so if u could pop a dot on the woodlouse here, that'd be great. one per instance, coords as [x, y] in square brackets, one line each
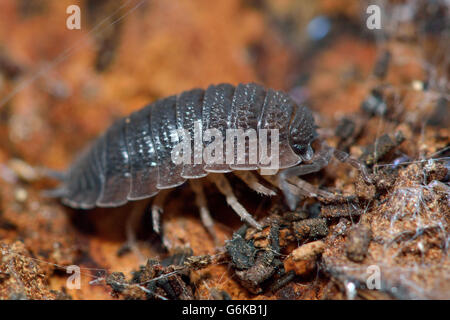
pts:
[132, 159]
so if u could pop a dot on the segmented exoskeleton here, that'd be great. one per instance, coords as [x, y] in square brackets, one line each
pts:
[132, 159]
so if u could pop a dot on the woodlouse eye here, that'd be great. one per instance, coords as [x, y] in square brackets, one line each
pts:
[306, 152]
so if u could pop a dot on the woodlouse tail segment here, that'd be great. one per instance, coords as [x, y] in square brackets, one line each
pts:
[58, 192]
[75, 193]
[55, 193]
[53, 174]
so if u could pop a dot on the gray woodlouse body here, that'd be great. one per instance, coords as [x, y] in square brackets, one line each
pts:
[132, 159]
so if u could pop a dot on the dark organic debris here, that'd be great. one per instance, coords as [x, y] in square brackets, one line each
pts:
[219, 294]
[169, 279]
[116, 281]
[295, 216]
[261, 271]
[282, 281]
[440, 116]
[382, 65]
[255, 266]
[375, 104]
[345, 128]
[10, 68]
[349, 209]
[310, 228]
[436, 171]
[256, 256]
[241, 252]
[381, 147]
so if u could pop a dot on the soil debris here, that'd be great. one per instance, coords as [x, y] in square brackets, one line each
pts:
[357, 243]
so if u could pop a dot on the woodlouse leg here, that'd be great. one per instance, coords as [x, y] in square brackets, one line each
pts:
[132, 224]
[345, 157]
[319, 161]
[299, 187]
[252, 181]
[311, 190]
[274, 181]
[157, 211]
[225, 188]
[205, 215]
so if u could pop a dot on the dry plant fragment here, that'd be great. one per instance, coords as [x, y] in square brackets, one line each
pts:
[303, 259]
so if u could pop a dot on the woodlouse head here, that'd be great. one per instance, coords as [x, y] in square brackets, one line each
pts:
[302, 132]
